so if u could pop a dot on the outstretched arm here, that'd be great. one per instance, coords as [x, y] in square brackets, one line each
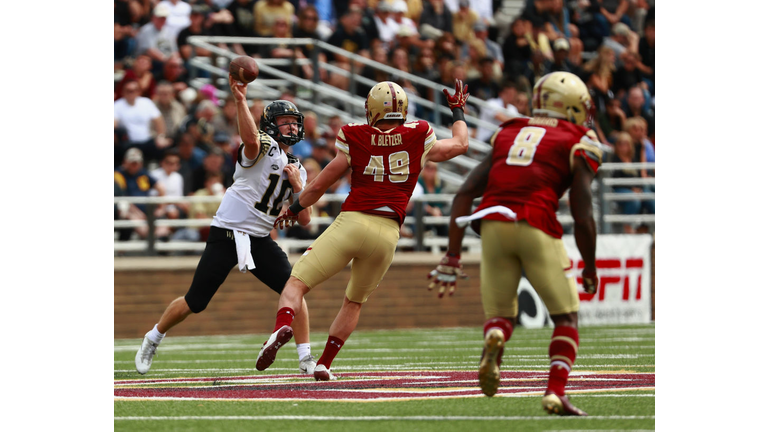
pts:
[459, 142]
[583, 222]
[249, 133]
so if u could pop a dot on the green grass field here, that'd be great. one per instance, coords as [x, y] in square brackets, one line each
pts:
[626, 352]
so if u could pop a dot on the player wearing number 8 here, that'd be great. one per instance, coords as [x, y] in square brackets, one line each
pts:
[266, 176]
[386, 156]
[533, 162]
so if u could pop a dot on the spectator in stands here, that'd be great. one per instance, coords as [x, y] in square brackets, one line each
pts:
[408, 39]
[156, 39]
[608, 13]
[125, 32]
[475, 53]
[384, 24]
[399, 60]
[190, 157]
[537, 12]
[399, 9]
[350, 37]
[523, 104]
[611, 121]
[266, 13]
[560, 62]
[599, 73]
[223, 142]
[175, 73]
[282, 29]
[312, 135]
[213, 163]
[463, 21]
[138, 115]
[627, 75]
[436, 16]
[560, 18]
[415, 9]
[638, 106]
[431, 183]
[141, 72]
[493, 49]
[197, 27]
[167, 175]
[647, 50]
[173, 111]
[621, 40]
[425, 68]
[446, 47]
[257, 109]
[367, 21]
[179, 15]
[334, 124]
[135, 181]
[378, 54]
[502, 109]
[307, 27]
[243, 25]
[624, 153]
[517, 48]
[320, 151]
[643, 148]
[226, 119]
[537, 67]
[212, 186]
[199, 125]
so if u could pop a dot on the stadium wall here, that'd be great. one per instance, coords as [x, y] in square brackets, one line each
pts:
[144, 287]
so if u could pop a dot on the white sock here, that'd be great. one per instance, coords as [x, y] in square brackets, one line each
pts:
[155, 336]
[303, 349]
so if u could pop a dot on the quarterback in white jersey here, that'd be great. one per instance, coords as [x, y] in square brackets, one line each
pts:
[266, 176]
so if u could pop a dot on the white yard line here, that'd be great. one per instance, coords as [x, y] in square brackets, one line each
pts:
[377, 418]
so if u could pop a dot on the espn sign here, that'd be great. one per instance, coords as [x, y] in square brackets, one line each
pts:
[624, 293]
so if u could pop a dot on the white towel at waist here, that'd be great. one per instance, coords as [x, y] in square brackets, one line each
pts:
[465, 220]
[243, 245]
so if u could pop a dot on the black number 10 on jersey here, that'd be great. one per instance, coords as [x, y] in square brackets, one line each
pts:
[263, 205]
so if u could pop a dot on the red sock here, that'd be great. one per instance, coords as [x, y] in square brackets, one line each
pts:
[332, 347]
[285, 317]
[501, 323]
[562, 355]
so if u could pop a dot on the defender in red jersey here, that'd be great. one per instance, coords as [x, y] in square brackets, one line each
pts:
[533, 162]
[386, 156]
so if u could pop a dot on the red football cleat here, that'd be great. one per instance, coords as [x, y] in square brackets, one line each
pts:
[560, 405]
[268, 352]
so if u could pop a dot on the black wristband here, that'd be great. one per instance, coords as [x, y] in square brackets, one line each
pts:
[296, 208]
[458, 114]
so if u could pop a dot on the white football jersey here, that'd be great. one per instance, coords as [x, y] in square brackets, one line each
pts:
[255, 199]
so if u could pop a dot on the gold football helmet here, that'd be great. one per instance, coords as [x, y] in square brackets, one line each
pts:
[563, 95]
[386, 100]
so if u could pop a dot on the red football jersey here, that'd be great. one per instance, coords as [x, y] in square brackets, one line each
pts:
[385, 165]
[532, 168]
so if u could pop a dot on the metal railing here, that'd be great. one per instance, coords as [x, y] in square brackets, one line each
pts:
[419, 222]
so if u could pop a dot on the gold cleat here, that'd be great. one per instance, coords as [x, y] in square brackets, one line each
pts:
[489, 364]
[560, 405]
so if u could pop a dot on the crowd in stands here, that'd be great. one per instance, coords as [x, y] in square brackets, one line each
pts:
[174, 139]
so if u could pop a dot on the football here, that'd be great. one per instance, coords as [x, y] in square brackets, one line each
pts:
[244, 69]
